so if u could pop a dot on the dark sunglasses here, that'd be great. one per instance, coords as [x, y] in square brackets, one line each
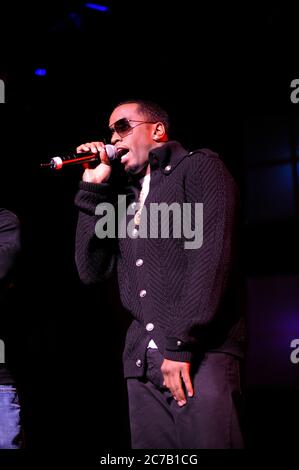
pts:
[123, 127]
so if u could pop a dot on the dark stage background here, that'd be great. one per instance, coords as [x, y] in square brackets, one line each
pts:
[224, 75]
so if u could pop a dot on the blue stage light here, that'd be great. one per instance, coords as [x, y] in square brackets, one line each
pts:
[40, 72]
[95, 6]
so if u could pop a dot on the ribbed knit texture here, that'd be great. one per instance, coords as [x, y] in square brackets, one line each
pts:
[9, 242]
[9, 250]
[189, 292]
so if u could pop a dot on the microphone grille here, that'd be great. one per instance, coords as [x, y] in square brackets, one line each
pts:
[111, 151]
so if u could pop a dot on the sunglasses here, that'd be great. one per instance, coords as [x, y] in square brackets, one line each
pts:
[123, 127]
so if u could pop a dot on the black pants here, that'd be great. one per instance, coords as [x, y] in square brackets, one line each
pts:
[209, 420]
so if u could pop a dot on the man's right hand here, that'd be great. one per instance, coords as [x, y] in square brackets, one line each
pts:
[101, 173]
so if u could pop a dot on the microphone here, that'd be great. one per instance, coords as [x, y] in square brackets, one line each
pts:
[57, 163]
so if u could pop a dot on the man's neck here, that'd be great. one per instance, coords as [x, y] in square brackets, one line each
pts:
[145, 171]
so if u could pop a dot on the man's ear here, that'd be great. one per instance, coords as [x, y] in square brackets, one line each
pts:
[159, 133]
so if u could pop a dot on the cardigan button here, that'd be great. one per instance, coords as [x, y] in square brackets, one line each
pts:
[142, 293]
[168, 168]
[149, 327]
[138, 363]
[139, 262]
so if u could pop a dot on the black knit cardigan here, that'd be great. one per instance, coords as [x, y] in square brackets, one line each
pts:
[186, 300]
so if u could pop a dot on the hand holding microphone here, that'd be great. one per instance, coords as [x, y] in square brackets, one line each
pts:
[102, 172]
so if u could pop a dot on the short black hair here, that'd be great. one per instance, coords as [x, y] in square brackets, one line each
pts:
[151, 110]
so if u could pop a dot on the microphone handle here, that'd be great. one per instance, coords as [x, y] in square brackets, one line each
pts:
[57, 163]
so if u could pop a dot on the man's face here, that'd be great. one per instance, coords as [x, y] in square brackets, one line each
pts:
[138, 140]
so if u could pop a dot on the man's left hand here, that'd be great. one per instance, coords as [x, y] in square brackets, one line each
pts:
[175, 374]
